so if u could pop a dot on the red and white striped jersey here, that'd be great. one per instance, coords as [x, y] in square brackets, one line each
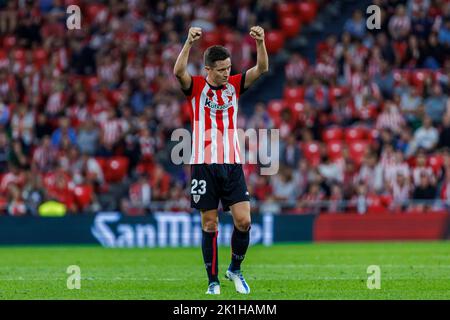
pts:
[214, 120]
[112, 130]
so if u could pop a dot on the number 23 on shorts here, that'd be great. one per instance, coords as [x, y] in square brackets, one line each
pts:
[198, 186]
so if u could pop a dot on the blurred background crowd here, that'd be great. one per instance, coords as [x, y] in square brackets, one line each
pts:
[86, 115]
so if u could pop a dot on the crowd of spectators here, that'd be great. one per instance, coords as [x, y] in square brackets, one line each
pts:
[371, 115]
[86, 115]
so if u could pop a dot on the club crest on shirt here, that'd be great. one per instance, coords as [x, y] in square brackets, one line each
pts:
[228, 93]
[196, 197]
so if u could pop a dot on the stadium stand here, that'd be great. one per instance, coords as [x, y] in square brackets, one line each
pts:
[86, 115]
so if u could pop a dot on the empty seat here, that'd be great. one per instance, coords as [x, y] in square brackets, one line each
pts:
[83, 196]
[355, 133]
[91, 82]
[210, 38]
[311, 151]
[274, 108]
[436, 162]
[332, 134]
[294, 94]
[274, 41]
[19, 54]
[286, 9]
[9, 42]
[307, 11]
[334, 150]
[335, 92]
[296, 107]
[418, 78]
[358, 149]
[93, 11]
[116, 169]
[290, 24]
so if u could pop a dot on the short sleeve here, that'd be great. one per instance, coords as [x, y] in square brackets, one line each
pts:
[195, 85]
[238, 82]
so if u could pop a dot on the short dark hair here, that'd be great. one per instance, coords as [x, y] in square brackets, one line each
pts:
[215, 53]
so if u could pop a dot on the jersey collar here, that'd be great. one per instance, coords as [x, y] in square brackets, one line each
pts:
[215, 87]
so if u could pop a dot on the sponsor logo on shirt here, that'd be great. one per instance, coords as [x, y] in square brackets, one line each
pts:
[212, 105]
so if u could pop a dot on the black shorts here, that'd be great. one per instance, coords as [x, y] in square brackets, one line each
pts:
[211, 183]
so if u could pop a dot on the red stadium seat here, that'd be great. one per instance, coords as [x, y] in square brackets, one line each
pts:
[400, 75]
[93, 11]
[70, 2]
[358, 150]
[83, 196]
[418, 78]
[115, 96]
[311, 150]
[334, 150]
[355, 133]
[116, 169]
[373, 134]
[40, 56]
[294, 94]
[228, 36]
[386, 199]
[146, 167]
[332, 134]
[91, 82]
[274, 108]
[436, 162]
[411, 161]
[19, 54]
[335, 92]
[367, 112]
[307, 11]
[274, 41]
[375, 205]
[297, 108]
[285, 9]
[290, 24]
[9, 42]
[210, 38]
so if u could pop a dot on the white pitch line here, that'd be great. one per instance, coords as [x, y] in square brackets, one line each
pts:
[338, 266]
[90, 279]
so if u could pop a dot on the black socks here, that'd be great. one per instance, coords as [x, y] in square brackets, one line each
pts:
[239, 244]
[210, 256]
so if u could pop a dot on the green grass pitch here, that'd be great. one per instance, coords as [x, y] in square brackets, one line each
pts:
[410, 270]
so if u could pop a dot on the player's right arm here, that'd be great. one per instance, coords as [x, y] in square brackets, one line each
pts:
[180, 68]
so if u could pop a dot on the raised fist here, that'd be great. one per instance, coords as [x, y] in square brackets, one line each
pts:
[194, 34]
[257, 33]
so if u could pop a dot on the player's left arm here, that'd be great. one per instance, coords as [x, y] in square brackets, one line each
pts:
[262, 60]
